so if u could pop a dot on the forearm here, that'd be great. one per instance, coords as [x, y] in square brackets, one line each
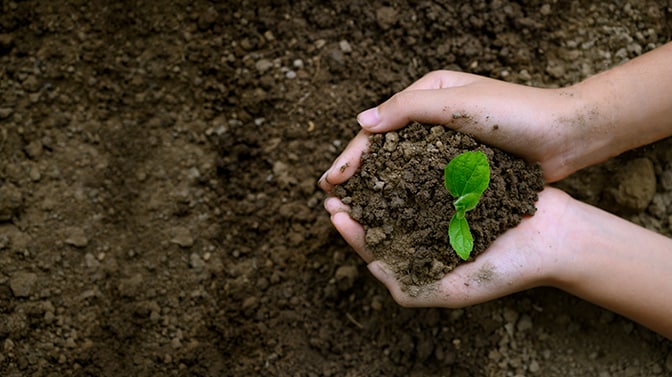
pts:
[623, 108]
[620, 266]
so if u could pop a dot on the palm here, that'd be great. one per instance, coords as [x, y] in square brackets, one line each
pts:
[514, 262]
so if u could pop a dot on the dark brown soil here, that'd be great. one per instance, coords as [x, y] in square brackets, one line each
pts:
[158, 208]
[398, 196]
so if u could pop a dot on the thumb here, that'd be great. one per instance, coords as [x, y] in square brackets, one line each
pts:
[431, 106]
[428, 100]
[507, 116]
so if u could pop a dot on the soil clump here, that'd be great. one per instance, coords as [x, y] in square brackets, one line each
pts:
[398, 195]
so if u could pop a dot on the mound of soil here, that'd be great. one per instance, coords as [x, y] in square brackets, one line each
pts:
[399, 197]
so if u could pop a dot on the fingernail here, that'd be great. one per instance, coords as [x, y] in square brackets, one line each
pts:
[369, 118]
[323, 178]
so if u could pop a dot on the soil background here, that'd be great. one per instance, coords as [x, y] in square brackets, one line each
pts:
[158, 207]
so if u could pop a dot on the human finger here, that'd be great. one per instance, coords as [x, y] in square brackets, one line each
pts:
[431, 106]
[334, 205]
[351, 231]
[493, 112]
[346, 163]
[404, 107]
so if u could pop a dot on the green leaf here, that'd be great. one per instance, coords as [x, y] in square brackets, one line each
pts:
[467, 202]
[468, 173]
[466, 177]
[460, 236]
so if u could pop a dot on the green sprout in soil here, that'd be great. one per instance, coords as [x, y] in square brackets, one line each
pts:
[466, 177]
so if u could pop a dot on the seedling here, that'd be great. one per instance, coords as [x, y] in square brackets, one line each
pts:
[466, 177]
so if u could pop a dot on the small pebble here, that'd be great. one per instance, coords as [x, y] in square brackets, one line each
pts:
[346, 276]
[11, 201]
[6, 42]
[263, 65]
[91, 261]
[525, 323]
[4, 241]
[345, 46]
[35, 174]
[131, 287]
[6, 112]
[377, 303]
[196, 262]
[182, 237]
[70, 343]
[510, 315]
[634, 185]
[391, 141]
[556, 69]
[666, 180]
[250, 303]
[75, 237]
[8, 346]
[22, 283]
[386, 17]
[534, 367]
[31, 84]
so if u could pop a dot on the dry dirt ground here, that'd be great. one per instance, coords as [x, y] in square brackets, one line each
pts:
[158, 208]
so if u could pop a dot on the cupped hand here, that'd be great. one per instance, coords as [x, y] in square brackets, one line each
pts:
[523, 257]
[536, 124]
[522, 120]
[566, 244]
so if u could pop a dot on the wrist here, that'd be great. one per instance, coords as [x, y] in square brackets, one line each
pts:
[576, 132]
[556, 239]
[549, 241]
[616, 264]
[573, 234]
[619, 109]
[590, 242]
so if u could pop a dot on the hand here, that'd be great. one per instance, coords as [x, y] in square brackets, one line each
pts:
[566, 244]
[523, 257]
[460, 100]
[536, 124]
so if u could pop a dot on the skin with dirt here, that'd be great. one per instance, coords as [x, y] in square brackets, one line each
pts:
[158, 208]
[398, 195]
